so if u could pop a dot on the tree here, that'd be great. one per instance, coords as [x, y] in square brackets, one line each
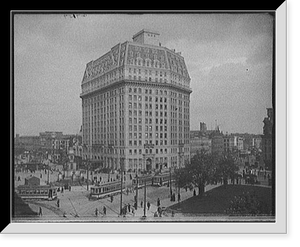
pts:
[201, 170]
[226, 168]
[182, 178]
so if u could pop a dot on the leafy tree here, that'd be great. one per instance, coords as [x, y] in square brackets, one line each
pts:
[182, 178]
[201, 170]
[226, 168]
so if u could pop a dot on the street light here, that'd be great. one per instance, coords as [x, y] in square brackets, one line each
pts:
[121, 167]
[87, 168]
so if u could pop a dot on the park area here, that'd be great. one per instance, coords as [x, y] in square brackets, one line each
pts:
[229, 200]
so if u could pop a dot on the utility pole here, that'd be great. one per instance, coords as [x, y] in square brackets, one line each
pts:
[137, 190]
[170, 182]
[87, 175]
[145, 197]
[48, 174]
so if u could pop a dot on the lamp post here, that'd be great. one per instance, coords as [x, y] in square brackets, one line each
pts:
[87, 168]
[121, 167]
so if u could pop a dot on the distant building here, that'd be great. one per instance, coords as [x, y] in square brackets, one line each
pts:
[238, 143]
[47, 139]
[228, 142]
[203, 127]
[217, 142]
[200, 143]
[27, 142]
[267, 139]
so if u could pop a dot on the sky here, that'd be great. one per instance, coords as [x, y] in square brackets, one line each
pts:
[228, 57]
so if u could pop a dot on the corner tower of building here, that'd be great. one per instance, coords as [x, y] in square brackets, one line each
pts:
[135, 106]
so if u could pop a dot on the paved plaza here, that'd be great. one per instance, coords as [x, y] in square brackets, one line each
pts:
[74, 204]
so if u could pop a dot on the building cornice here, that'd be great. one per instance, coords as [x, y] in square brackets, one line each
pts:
[125, 82]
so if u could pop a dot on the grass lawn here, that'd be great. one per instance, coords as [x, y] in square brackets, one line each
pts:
[216, 201]
[21, 209]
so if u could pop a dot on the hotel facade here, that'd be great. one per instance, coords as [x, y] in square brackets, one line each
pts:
[136, 106]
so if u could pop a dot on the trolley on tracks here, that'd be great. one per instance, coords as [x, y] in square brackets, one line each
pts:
[105, 190]
[37, 192]
[140, 181]
[162, 179]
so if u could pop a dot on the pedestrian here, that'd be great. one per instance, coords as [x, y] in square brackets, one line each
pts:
[155, 214]
[194, 193]
[57, 203]
[148, 205]
[158, 202]
[159, 210]
[178, 197]
[135, 206]
[127, 191]
[173, 213]
[96, 211]
[104, 210]
[128, 207]
[141, 204]
[111, 198]
[62, 189]
[133, 212]
[40, 211]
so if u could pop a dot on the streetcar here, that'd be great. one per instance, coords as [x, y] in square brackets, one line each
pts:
[37, 192]
[162, 179]
[100, 191]
[141, 181]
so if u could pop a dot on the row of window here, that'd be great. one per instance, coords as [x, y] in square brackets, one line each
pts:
[146, 72]
[110, 97]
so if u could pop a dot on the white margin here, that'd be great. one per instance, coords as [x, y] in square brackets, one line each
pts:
[280, 226]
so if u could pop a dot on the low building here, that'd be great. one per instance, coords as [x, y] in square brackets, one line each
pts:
[198, 144]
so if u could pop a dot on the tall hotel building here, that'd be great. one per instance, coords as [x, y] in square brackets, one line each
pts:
[136, 106]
